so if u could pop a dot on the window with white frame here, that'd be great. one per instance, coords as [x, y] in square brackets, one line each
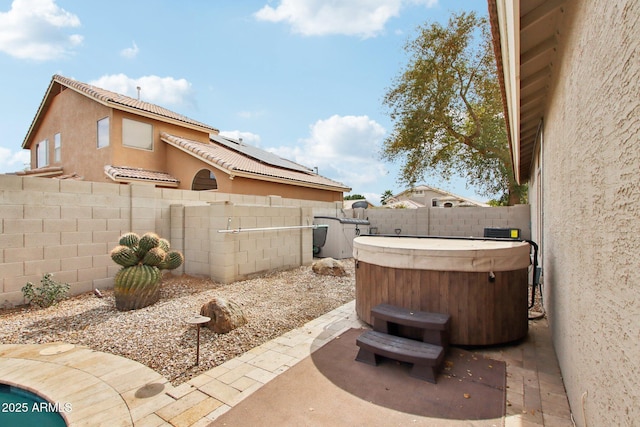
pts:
[137, 134]
[42, 154]
[57, 146]
[103, 132]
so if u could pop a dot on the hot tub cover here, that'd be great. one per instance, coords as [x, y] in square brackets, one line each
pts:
[442, 254]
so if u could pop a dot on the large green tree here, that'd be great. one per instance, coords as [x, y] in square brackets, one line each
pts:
[447, 110]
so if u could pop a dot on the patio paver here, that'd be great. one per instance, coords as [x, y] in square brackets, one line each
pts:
[105, 389]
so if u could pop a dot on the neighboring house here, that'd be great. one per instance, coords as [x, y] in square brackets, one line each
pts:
[425, 196]
[570, 77]
[359, 203]
[84, 132]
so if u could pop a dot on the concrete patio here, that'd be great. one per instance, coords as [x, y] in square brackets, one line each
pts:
[105, 389]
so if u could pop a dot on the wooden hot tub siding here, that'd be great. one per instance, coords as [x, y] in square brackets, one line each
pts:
[482, 312]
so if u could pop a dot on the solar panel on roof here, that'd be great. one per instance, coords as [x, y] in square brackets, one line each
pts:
[258, 154]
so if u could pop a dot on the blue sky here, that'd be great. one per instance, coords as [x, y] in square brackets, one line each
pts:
[302, 78]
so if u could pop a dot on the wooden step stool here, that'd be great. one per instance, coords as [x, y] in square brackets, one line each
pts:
[426, 358]
[434, 326]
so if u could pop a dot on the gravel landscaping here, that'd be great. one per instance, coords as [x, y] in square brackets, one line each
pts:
[158, 336]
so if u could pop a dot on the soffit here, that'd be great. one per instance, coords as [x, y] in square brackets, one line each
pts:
[540, 28]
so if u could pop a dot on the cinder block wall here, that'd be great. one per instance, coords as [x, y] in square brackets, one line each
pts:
[68, 228]
[467, 221]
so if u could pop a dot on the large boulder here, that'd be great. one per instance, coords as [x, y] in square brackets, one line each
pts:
[328, 267]
[225, 315]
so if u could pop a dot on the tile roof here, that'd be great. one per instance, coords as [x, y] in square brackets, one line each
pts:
[42, 172]
[238, 164]
[127, 174]
[117, 101]
[113, 100]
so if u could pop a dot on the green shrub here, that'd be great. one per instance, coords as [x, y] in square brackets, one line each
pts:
[49, 293]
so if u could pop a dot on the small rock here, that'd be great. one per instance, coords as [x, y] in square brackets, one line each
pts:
[225, 315]
[328, 267]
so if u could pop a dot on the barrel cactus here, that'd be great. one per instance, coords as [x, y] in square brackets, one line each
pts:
[137, 284]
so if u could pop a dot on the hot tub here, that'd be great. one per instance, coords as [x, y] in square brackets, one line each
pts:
[481, 284]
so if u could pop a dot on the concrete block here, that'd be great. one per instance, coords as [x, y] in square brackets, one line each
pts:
[75, 212]
[8, 241]
[61, 251]
[13, 226]
[15, 284]
[12, 269]
[66, 276]
[63, 199]
[40, 267]
[41, 184]
[118, 225]
[106, 236]
[106, 283]
[77, 263]
[11, 182]
[98, 188]
[102, 212]
[86, 249]
[142, 190]
[263, 265]
[32, 240]
[86, 224]
[76, 237]
[42, 212]
[11, 211]
[12, 298]
[81, 287]
[23, 254]
[57, 225]
[90, 274]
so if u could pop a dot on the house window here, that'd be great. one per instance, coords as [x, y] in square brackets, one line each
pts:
[204, 180]
[42, 154]
[434, 203]
[137, 134]
[103, 132]
[56, 148]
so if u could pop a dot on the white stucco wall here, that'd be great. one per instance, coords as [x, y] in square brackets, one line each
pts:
[591, 199]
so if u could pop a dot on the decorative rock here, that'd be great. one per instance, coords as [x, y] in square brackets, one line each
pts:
[225, 315]
[328, 267]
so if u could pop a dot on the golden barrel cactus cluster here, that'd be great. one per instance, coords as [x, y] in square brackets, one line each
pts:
[137, 284]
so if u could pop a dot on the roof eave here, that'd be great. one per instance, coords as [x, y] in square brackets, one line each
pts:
[233, 172]
[127, 180]
[26, 143]
[505, 20]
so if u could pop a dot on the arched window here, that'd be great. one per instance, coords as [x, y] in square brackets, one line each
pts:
[204, 180]
[448, 205]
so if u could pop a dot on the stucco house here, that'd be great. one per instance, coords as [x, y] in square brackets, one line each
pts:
[426, 196]
[570, 77]
[84, 132]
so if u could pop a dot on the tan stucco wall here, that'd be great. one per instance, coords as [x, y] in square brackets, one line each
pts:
[184, 167]
[591, 198]
[156, 159]
[75, 117]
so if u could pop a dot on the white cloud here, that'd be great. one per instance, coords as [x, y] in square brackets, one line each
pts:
[248, 137]
[251, 114]
[11, 161]
[157, 90]
[344, 148]
[363, 18]
[35, 29]
[130, 52]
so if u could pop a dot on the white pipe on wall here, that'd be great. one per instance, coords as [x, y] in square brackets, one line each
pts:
[293, 227]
